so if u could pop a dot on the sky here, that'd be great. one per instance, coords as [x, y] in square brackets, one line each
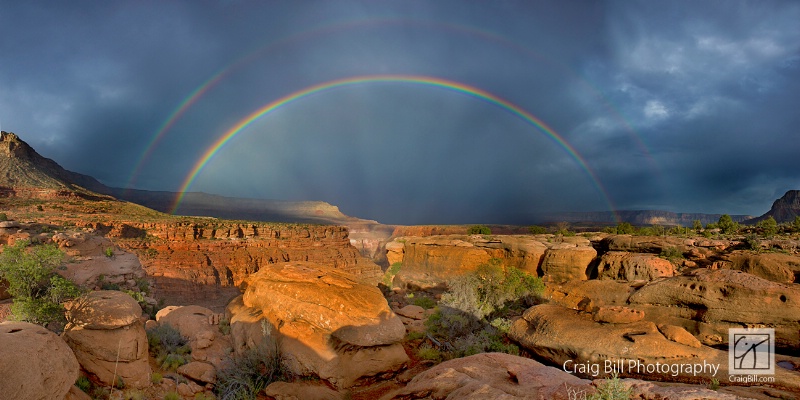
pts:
[546, 106]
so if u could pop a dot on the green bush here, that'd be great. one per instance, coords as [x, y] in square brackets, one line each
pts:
[156, 378]
[461, 322]
[83, 384]
[37, 290]
[172, 396]
[796, 224]
[169, 348]
[672, 254]
[611, 389]
[424, 302]
[479, 230]
[625, 228]
[109, 251]
[427, 352]
[3, 217]
[537, 230]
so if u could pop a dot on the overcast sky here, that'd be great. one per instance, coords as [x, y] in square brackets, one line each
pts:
[687, 106]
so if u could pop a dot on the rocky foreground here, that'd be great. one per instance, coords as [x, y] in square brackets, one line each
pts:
[232, 288]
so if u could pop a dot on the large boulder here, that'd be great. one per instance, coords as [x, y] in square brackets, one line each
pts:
[108, 338]
[566, 262]
[708, 302]
[492, 376]
[326, 322]
[34, 363]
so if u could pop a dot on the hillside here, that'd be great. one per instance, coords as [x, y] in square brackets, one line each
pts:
[785, 209]
[639, 217]
[26, 173]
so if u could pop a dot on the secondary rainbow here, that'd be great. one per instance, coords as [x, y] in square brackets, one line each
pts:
[360, 80]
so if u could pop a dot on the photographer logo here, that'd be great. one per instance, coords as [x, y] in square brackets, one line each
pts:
[751, 351]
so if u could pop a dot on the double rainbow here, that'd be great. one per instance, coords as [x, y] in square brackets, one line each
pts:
[409, 79]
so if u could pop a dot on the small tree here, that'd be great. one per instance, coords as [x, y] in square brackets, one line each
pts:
[625, 228]
[697, 225]
[726, 224]
[796, 223]
[769, 226]
[537, 230]
[479, 230]
[37, 290]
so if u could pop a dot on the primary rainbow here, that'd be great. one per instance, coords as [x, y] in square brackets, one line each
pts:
[413, 79]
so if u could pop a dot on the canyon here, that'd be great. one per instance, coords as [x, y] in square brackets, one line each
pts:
[336, 295]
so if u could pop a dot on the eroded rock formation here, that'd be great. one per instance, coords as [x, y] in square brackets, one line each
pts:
[326, 322]
[107, 336]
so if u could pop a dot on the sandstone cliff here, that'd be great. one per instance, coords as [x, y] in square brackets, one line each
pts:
[205, 261]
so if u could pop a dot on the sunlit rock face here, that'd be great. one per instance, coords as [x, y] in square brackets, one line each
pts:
[204, 262]
[34, 363]
[430, 261]
[325, 322]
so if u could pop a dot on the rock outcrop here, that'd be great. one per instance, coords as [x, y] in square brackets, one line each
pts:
[325, 321]
[107, 336]
[34, 363]
[492, 376]
[430, 261]
[571, 338]
[205, 262]
[708, 302]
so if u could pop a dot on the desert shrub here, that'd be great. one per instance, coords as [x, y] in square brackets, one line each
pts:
[697, 225]
[751, 242]
[244, 375]
[3, 217]
[714, 384]
[427, 352]
[171, 361]
[143, 285]
[671, 253]
[172, 396]
[109, 252]
[83, 384]
[479, 230]
[490, 288]
[413, 335]
[169, 348]
[225, 327]
[611, 389]
[424, 302]
[796, 224]
[461, 321]
[156, 378]
[537, 230]
[39, 293]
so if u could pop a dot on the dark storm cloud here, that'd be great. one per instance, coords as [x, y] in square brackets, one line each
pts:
[685, 106]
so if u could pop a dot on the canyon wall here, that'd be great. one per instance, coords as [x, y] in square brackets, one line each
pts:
[205, 262]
